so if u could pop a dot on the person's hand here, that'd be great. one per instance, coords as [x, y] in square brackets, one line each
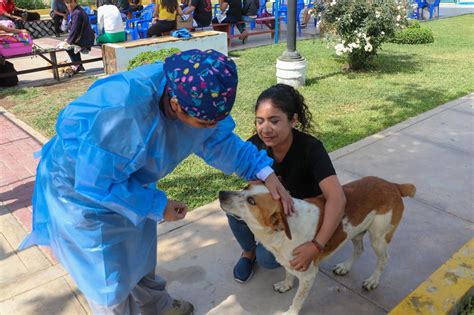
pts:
[174, 211]
[279, 192]
[304, 256]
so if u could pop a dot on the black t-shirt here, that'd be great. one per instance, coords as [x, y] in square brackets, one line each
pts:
[304, 166]
[235, 9]
[202, 12]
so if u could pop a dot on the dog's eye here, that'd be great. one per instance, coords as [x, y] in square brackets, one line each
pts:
[251, 201]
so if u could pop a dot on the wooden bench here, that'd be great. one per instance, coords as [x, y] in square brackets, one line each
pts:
[52, 60]
[268, 22]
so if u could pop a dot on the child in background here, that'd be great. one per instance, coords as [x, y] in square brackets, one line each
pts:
[109, 23]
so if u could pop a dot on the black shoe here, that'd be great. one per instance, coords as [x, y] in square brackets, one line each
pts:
[81, 69]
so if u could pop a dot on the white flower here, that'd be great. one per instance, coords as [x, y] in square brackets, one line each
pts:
[350, 21]
[338, 19]
[339, 49]
[382, 32]
[398, 18]
[399, 7]
[368, 47]
[333, 3]
[353, 45]
[377, 14]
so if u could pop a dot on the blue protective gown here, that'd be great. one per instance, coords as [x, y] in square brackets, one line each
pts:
[95, 201]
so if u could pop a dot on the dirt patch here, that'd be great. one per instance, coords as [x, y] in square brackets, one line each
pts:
[7, 103]
[75, 84]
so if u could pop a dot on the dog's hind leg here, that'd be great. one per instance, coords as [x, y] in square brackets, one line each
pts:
[377, 231]
[286, 284]
[343, 268]
[306, 281]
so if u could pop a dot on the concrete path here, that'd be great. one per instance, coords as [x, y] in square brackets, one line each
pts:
[434, 151]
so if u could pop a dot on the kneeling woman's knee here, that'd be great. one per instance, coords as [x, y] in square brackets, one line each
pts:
[265, 258]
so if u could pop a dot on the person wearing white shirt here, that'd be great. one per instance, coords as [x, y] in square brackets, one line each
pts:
[109, 23]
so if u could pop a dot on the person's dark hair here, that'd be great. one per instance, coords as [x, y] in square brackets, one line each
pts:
[170, 5]
[289, 101]
[105, 2]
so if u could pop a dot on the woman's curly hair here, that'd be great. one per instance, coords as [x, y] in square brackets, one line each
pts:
[291, 102]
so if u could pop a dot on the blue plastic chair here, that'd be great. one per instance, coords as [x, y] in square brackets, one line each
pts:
[131, 32]
[137, 28]
[283, 12]
[144, 22]
[418, 12]
[432, 7]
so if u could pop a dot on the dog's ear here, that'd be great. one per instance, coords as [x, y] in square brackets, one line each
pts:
[280, 223]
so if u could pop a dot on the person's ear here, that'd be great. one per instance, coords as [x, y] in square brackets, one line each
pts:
[175, 107]
[294, 120]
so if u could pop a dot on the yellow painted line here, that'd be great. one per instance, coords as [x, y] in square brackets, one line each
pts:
[445, 288]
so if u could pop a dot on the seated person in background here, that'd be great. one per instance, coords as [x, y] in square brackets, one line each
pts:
[124, 8]
[164, 15]
[202, 12]
[8, 11]
[135, 5]
[109, 23]
[250, 8]
[80, 34]
[232, 10]
[58, 14]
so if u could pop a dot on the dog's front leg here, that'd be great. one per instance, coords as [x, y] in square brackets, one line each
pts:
[306, 280]
[285, 285]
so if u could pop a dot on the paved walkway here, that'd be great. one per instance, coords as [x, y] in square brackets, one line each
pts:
[196, 255]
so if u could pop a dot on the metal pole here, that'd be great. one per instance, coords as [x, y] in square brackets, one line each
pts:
[291, 53]
[277, 20]
[291, 39]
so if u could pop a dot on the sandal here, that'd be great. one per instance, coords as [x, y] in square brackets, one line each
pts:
[243, 270]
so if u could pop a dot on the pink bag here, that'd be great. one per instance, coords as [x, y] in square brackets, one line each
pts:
[15, 44]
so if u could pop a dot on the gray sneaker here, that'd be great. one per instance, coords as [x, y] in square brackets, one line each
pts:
[180, 307]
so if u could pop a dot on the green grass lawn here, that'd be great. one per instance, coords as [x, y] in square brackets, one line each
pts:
[347, 106]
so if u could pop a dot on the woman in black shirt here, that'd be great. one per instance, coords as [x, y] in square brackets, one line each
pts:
[304, 166]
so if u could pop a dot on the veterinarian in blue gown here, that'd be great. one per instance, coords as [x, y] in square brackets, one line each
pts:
[95, 201]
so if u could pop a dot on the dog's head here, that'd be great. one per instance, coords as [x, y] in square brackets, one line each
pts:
[65, 71]
[256, 206]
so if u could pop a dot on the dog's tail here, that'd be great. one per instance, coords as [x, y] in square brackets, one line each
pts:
[406, 189]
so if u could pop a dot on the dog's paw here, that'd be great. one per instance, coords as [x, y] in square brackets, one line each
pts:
[282, 286]
[370, 283]
[340, 269]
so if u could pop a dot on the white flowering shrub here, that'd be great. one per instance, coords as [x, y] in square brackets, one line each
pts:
[362, 26]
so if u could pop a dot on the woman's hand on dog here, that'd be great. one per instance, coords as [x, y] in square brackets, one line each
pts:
[304, 256]
[278, 191]
[175, 211]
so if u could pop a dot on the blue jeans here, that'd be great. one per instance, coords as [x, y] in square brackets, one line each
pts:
[246, 239]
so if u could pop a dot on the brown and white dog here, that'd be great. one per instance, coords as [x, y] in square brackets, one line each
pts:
[373, 205]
